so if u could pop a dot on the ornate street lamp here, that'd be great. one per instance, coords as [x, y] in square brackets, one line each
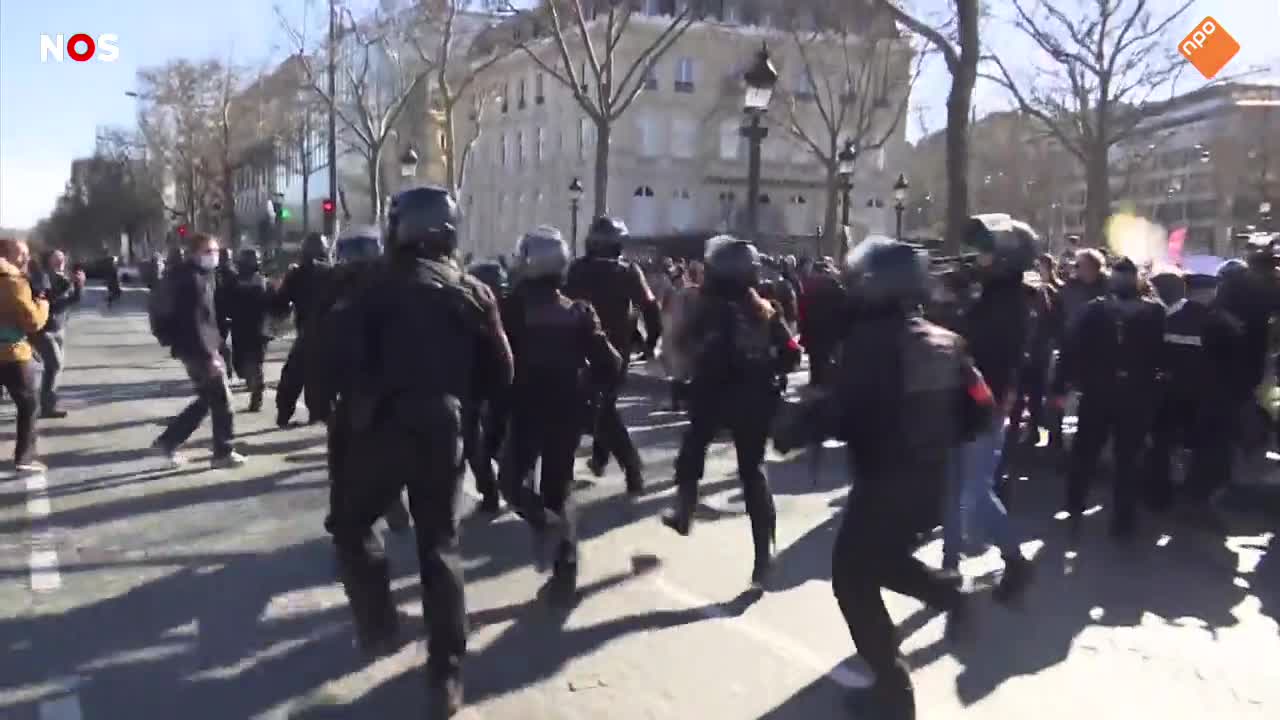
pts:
[845, 166]
[760, 78]
[409, 163]
[575, 200]
[900, 187]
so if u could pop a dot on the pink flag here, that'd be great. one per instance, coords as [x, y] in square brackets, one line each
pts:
[1176, 239]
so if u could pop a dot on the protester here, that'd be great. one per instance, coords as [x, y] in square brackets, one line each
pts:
[50, 342]
[185, 319]
[21, 315]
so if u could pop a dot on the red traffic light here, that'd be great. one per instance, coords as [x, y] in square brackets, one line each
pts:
[182, 230]
[327, 205]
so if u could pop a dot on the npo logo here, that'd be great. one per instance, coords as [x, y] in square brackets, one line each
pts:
[1209, 47]
[79, 47]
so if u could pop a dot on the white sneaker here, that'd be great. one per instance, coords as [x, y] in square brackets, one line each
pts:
[171, 455]
[31, 466]
[232, 459]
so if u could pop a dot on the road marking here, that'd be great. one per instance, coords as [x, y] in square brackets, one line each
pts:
[43, 561]
[779, 643]
[63, 708]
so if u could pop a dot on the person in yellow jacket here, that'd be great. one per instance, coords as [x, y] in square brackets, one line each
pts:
[21, 315]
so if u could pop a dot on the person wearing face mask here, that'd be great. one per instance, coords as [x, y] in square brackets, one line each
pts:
[21, 314]
[185, 318]
[50, 343]
[1112, 356]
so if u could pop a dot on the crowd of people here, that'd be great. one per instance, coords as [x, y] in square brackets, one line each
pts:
[930, 373]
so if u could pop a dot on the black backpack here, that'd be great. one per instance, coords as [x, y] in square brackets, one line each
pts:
[162, 309]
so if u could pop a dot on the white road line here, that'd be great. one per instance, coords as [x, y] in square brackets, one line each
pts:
[63, 708]
[43, 560]
[780, 644]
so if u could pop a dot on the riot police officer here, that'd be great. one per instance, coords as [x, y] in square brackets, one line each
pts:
[486, 421]
[903, 410]
[424, 335]
[561, 353]
[741, 347]
[226, 278]
[248, 301]
[301, 286]
[618, 291]
[1112, 355]
[1202, 394]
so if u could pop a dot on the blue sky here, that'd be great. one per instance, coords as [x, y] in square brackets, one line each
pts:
[49, 112]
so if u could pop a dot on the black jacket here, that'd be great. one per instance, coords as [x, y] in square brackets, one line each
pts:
[558, 344]
[1117, 345]
[996, 329]
[618, 291]
[248, 305]
[301, 286]
[62, 295]
[196, 336]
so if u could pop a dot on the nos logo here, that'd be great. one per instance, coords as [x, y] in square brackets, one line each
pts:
[79, 47]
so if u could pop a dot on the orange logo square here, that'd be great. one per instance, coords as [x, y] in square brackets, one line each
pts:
[1209, 47]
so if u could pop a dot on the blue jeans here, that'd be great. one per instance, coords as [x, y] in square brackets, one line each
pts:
[974, 511]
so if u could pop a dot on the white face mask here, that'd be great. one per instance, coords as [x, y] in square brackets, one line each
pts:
[208, 261]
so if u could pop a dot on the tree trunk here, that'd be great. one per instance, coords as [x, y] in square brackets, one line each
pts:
[229, 208]
[450, 156]
[1097, 195]
[374, 167]
[305, 152]
[831, 230]
[600, 205]
[959, 100]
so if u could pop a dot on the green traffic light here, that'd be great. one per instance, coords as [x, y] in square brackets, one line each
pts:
[285, 214]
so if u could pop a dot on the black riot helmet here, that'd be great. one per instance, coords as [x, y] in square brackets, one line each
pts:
[359, 243]
[1170, 286]
[1232, 270]
[315, 247]
[1124, 278]
[605, 237]
[884, 274]
[541, 255]
[226, 258]
[491, 273]
[249, 261]
[732, 264]
[1006, 247]
[423, 222]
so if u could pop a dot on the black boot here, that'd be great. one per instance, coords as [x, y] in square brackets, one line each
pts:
[444, 696]
[763, 538]
[366, 580]
[397, 517]
[891, 698]
[1018, 572]
[564, 576]
[255, 400]
[680, 518]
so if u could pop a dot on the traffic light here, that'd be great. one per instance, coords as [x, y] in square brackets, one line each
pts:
[182, 230]
[327, 206]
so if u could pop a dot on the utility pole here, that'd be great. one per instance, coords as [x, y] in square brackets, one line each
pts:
[331, 221]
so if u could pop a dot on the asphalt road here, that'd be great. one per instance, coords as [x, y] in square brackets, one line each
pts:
[129, 592]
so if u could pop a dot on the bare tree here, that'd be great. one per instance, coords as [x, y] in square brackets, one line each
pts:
[603, 84]
[379, 76]
[1105, 61]
[858, 89]
[450, 41]
[957, 40]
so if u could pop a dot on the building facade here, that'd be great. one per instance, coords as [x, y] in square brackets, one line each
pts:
[677, 159]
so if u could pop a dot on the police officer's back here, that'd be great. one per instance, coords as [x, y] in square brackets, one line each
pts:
[615, 287]
[426, 335]
[306, 281]
[249, 301]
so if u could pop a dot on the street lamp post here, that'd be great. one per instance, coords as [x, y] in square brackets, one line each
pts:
[575, 200]
[1264, 215]
[845, 160]
[408, 165]
[761, 79]
[900, 187]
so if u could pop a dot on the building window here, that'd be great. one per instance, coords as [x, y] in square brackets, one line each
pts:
[684, 75]
[682, 210]
[538, 83]
[648, 126]
[642, 210]
[651, 78]
[584, 137]
[502, 150]
[683, 137]
[522, 102]
[538, 146]
[506, 90]
[519, 149]
[730, 139]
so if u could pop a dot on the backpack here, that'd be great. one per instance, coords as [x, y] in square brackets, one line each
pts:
[162, 310]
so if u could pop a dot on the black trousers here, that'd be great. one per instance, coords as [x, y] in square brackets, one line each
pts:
[20, 379]
[747, 413]
[820, 361]
[611, 436]
[483, 432]
[1203, 427]
[415, 444]
[225, 351]
[874, 551]
[1124, 417]
[550, 431]
[247, 357]
[213, 398]
[293, 384]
